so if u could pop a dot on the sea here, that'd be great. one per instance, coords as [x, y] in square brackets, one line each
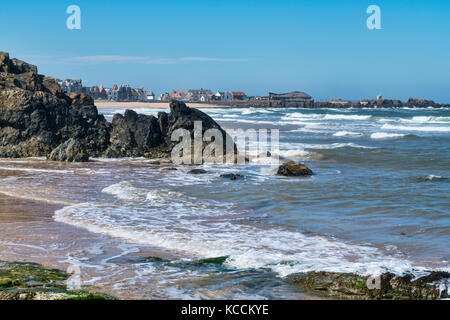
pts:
[378, 202]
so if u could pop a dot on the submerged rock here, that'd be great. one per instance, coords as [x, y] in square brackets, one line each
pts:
[37, 118]
[386, 286]
[291, 168]
[232, 176]
[198, 171]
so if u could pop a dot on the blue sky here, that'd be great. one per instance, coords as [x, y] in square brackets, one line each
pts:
[320, 47]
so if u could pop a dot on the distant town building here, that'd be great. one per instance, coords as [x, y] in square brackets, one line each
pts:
[290, 96]
[221, 96]
[164, 97]
[191, 95]
[116, 93]
[149, 95]
[71, 86]
[113, 93]
[339, 102]
[237, 95]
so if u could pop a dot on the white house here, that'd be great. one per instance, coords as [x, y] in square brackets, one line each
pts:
[150, 95]
[222, 96]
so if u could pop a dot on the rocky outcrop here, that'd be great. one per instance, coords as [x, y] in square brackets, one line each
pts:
[433, 286]
[293, 169]
[37, 118]
[134, 134]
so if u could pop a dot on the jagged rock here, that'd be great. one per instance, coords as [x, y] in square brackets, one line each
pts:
[70, 151]
[291, 168]
[36, 116]
[181, 116]
[134, 134]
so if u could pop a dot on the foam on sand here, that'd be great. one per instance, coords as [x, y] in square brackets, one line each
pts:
[209, 230]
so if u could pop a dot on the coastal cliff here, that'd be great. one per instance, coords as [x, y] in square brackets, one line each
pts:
[37, 118]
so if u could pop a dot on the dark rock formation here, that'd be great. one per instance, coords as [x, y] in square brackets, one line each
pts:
[198, 171]
[37, 118]
[386, 286]
[291, 168]
[134, 134]
[232, 176]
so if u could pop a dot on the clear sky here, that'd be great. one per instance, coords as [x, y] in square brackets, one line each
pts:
[321, 47]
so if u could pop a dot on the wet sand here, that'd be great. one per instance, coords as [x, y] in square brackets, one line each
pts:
[149, 105]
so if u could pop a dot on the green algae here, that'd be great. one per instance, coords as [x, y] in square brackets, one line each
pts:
[32, 281]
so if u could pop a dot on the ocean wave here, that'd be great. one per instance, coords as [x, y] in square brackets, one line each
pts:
[36, 170]
[125, 191]
[385, 135]
[432, 177]
[313, 116]
[301, 116]
[247, 246]
[336, 146]
[346, 133]
[408, 128]
[293, 153]
[308, 129]
[427, 119]
[346, 117]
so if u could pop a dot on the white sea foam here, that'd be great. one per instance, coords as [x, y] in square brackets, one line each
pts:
[385, 135]
[126, 191]
[346, 133]
[301, 116]
[293, 153]
[35, 170]
[427, 119]
[335, 146]
[408, 128]
[346, 117]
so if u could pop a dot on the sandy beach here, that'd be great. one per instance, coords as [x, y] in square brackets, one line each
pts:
[149, 105]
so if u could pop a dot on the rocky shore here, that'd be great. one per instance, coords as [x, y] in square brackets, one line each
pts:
[31, 281]
[37, 118]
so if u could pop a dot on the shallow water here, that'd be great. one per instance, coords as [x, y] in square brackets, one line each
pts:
[378, 201]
